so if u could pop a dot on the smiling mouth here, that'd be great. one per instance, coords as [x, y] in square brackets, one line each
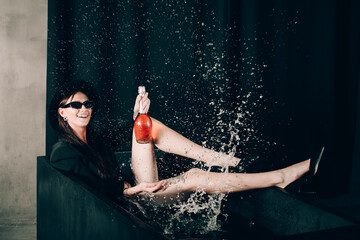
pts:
[82, 116]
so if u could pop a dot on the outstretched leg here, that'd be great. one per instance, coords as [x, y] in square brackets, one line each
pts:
[212, 182]
[170, 141]
[145, 168]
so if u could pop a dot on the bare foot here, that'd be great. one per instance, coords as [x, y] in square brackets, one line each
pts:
[293, 172]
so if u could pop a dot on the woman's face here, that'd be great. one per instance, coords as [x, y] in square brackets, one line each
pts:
[76, 118]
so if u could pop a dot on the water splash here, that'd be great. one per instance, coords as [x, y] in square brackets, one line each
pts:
[199, 214]
[220, 77]
[235, 129]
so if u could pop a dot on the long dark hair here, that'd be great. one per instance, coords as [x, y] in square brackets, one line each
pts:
[95, 149]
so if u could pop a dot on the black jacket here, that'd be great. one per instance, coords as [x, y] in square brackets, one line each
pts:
[72, 161]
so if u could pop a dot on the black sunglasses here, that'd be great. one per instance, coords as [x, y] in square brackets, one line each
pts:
[78, 105]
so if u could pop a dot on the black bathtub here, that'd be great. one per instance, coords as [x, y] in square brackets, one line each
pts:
[66, 209]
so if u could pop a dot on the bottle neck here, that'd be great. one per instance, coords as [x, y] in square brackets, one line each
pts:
[141, 110]
[141, 92]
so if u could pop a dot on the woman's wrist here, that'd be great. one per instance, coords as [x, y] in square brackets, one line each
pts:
[135, 115]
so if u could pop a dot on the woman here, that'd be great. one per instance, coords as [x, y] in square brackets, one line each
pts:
[81, 152]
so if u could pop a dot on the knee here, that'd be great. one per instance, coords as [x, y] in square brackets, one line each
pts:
[194, 171]
[157, 129]
[193, 178]
[195, 175]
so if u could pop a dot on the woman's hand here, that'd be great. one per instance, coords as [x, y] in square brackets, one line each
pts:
[147, 188]
[145, 104]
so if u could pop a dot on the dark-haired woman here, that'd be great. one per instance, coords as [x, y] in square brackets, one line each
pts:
[81, 153]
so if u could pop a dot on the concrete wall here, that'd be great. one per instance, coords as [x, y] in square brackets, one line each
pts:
[23, 33]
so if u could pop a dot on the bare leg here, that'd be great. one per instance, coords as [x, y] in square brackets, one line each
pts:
[212, 182]
[145, 168]
[143, 162]
[170, 141]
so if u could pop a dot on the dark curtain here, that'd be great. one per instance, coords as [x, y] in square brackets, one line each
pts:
[269, 78]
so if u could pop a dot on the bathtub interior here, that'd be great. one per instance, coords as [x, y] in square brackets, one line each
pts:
[68, 209]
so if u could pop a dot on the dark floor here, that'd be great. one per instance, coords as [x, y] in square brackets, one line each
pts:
[25, 229]
[347, 206]
[17, 229]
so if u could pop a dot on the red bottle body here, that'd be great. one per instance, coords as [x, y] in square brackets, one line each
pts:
[142, 128]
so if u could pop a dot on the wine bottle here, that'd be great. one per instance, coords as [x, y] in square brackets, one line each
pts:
[143, 124]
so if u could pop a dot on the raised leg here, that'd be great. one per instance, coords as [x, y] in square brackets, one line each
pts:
[143, 162]
[145, 168]
[168, 140]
